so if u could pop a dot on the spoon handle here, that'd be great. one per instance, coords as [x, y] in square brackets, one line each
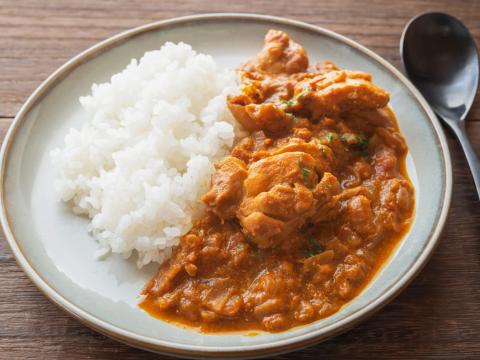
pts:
[461, 133]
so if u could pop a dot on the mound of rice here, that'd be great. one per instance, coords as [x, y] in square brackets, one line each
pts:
[145, 153]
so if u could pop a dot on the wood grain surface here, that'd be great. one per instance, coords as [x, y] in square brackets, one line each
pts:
[436, 317]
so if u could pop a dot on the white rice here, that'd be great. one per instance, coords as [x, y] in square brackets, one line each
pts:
[145, 153]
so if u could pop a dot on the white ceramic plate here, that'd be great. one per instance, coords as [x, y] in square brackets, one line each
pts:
[54, 249]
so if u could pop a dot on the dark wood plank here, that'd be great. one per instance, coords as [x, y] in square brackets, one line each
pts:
[436, 317]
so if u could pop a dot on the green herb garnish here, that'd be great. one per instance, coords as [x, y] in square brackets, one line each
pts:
[330, 137]
[291, 116]
[305, 91]
[241, 245]
[348, 138]
[254, 250]
[257, 255]
[358, 143]
[362, 146]
[314, 248]
[366, 154]
[362, 140]
[305, 173]
[289, 102]
[328, 186]
[302, 94]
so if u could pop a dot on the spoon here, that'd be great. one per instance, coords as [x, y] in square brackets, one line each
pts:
[440, 57]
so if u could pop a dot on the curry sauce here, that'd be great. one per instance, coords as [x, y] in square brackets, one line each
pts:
[303, 212]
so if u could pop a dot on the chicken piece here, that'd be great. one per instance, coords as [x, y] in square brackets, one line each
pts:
[278, 197]
[396, 195]
[374, 117]
[270, 295]
[395, 204]
[331, 201]
[323, 67]
[237, 106]
[360, 215]
[338, 91]
[279, 55]
[362, 169]
[273, 215]
[353, 270]
[183, 255]
[269, 117]
[259, 87]
[281, 202]
[319, 263]
[385, 163]
[221, 299]
[323, 155]
[328, 205]
[261, 229]
[253, 117]
[280, 87]
[327, 187]
[227, 189]
[290, 167]
[392, 138]
[302, 133]
[253, 147]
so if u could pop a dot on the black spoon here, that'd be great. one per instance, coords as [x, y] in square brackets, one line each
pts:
[440, 57]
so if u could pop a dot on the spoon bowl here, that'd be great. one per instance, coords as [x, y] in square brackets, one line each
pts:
[440, 57]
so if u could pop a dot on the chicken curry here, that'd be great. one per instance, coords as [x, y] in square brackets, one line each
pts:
[305, 209]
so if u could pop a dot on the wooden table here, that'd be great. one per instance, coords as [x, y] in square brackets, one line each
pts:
[437, 316]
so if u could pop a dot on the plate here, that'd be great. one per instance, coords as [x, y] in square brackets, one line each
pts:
[53, 246]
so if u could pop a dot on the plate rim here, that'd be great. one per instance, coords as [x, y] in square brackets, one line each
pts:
[178, 349]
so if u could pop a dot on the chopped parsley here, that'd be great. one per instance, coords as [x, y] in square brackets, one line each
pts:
[305, 173]
[289, 102]
[316, 245]
[241, 245]
[366, 155]
[362, 147]
[347, 137]
[328, 186]
[257, 255]
[358, 143]
[330, 137]
[314, 248]
[291, 116]
[305, 91]
[362, 140]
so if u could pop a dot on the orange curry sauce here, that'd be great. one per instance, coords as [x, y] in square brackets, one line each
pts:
[303, 212]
